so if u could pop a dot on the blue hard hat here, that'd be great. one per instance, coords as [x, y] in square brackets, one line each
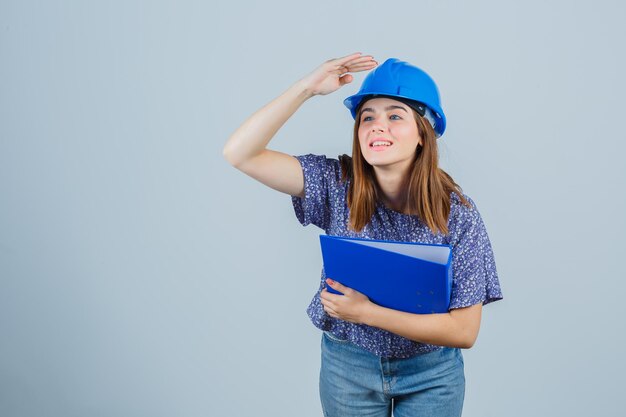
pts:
[395, 78]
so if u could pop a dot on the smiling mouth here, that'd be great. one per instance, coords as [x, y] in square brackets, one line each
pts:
[380, 144]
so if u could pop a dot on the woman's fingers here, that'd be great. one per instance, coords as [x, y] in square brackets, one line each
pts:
[364, 58]
[344, 70]
[358, 59]
[362, 67]
[345, 59]
[358, 63]
[331, 312]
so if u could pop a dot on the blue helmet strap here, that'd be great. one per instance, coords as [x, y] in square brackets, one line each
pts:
[431, 118]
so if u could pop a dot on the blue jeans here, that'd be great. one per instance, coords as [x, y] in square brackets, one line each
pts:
[355, 382]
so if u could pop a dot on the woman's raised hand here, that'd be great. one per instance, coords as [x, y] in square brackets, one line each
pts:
[335, 73]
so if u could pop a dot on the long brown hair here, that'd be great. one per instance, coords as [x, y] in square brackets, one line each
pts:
[428, 187]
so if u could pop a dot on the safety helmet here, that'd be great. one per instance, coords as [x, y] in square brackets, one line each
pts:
[399, 79]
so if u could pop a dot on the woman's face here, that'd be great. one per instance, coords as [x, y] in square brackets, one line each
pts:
[388, 134]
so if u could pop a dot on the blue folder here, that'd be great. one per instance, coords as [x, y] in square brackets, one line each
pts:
[407, 276]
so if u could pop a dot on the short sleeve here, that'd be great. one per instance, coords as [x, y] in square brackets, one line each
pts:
[321, 175]
[475, 278]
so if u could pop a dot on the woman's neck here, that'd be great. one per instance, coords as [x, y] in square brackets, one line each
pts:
[392, 184]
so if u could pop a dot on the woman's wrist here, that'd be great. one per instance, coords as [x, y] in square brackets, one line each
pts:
[368, 316]
[302, 90]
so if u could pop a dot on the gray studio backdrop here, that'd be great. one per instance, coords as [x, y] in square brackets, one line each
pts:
[141, 275]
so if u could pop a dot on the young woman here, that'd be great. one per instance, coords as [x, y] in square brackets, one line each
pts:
[377, 360]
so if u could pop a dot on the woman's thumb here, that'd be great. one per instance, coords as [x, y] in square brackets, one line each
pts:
[346, 79]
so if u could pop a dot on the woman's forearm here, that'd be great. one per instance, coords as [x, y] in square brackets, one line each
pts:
[254, 134]
[455, 329]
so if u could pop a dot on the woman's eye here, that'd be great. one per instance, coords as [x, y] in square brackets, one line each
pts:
[365, 119]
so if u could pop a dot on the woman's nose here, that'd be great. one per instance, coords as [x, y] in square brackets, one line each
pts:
[377, 127]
